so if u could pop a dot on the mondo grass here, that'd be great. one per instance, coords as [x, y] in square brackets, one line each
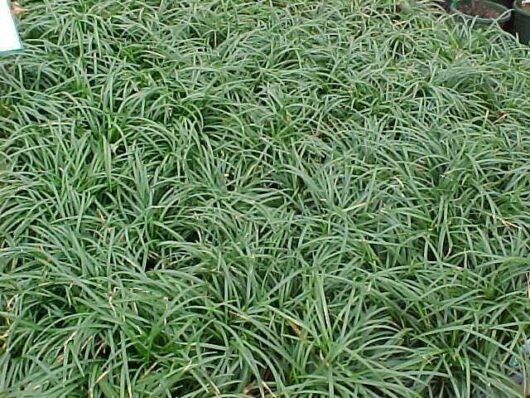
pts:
[229, 198]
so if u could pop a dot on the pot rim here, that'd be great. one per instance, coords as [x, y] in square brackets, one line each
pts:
[517, 7]
[505, 15]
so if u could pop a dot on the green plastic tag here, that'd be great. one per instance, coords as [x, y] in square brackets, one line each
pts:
[9, 38]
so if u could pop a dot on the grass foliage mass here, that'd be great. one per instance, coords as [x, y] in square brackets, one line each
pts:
[229, 198]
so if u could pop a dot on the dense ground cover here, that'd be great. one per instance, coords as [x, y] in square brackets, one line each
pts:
[261, 198]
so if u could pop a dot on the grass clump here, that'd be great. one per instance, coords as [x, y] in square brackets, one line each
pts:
[277, 199]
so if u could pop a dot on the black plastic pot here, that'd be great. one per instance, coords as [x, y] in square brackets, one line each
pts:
[522, 22]
[508, 26]
[505, 3]
[502, 20]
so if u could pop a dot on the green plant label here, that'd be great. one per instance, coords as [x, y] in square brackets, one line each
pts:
[9, 38]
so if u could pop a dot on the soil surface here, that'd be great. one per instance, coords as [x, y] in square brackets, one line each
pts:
[526, 6]
[478, 9]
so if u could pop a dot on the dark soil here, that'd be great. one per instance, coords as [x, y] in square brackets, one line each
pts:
[478, 9]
